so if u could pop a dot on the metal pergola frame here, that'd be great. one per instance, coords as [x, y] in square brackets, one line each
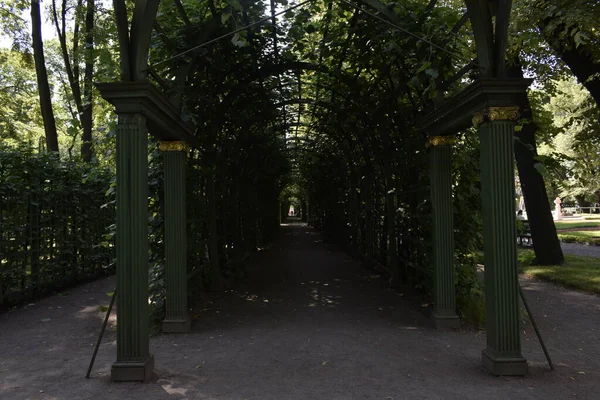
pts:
[142, 108]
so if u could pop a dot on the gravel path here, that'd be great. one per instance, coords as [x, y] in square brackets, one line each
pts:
[578, 249]
[308, 323]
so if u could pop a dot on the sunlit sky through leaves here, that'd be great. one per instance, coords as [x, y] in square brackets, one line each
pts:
[48, 31]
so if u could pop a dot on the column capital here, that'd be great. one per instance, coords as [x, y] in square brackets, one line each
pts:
[440, 141]
[131, 118]
[496, 114]
[172, 146]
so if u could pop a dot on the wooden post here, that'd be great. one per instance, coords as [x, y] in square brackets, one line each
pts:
[134, 362]
[502, 356]
[138, 105]
[444, 297]
[177, 319]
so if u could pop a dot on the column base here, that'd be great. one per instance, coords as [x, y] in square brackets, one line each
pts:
[176, 324]
[504, 366]
[448, 321]
[133, 371]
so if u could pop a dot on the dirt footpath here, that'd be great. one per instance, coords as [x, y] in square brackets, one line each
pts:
[579, 249]
[309, 323]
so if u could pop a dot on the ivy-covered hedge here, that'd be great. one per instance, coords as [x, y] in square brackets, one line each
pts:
[55, 223]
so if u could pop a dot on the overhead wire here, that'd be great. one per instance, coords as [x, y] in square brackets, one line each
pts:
[260, 21]
[406, 31]
[243, 28]
[273, 15]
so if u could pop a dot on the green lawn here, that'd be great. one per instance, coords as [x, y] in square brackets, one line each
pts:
[576, 224]
[579, 273]
[586, 234]
[585, 237]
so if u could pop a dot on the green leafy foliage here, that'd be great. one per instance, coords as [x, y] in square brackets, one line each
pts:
[54, 224]
[19, 105]
[322, 102]
[338, 133]
[569, 154]
[13, 25]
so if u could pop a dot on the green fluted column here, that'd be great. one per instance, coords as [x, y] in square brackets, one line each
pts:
[177, 319]
[444, 296]
[502, 356]
[134, 362]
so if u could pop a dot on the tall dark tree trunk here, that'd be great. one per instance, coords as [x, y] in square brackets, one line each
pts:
[42, 78]
[72, 69]
[86, 115]
[543, 232]
[83, 102]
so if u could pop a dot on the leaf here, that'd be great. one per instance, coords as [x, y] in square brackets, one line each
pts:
[235, 4]
[310, 28]
[423, 67]
[238, 40]
[224, 18]
[541, 168]
[432, 72]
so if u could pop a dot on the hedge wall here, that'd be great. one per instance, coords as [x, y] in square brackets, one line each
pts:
[55, 224]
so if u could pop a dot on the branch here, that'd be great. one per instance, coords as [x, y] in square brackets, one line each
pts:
[76, 40]
[123, 34]
[427, 11]
[61, 32]
[182, 13]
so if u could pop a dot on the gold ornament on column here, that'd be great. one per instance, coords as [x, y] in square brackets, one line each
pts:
[440, 141]
[172, 146]
[496, 114]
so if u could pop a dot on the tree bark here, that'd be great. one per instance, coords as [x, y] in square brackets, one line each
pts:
[82, 102]
[42, 78]
[86, 115]
[62, 38]
[543, 232]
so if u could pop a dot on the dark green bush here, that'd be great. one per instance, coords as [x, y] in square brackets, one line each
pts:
[54, 223]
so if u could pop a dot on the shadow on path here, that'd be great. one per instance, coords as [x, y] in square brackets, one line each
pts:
[300, 280]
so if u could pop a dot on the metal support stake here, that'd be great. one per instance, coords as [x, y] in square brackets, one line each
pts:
[110, 306]
[537, 331]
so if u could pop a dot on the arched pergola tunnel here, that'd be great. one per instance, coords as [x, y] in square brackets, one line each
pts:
[261, 121]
